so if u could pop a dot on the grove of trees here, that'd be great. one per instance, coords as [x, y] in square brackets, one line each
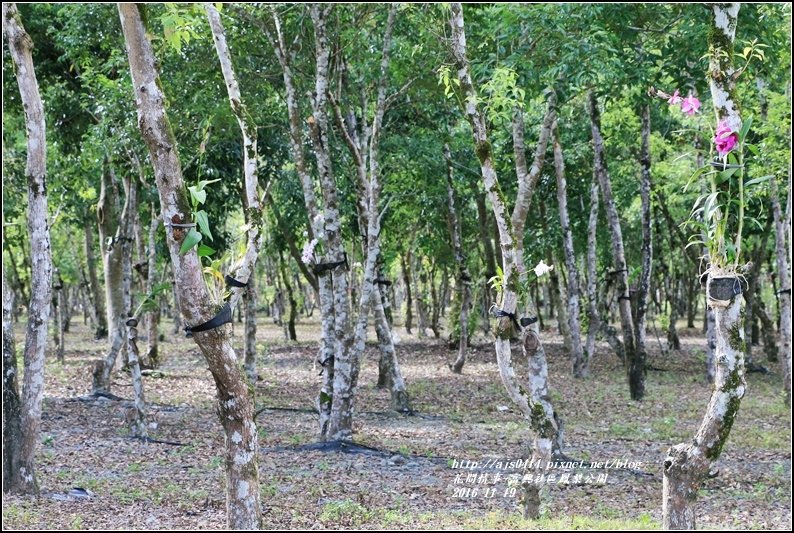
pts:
[510, 184]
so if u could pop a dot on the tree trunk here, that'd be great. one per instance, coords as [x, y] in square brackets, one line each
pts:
[138, 420]
[637, 365]
[784, 292]
[687, 465]
[634, 359]
[579, 362]
[97, 301]
[673, 342]
[593, 318]
[407, 277]
[250, 301]
[111, 241]
[235, 405]
[293, 306]
[118, 280]
[534, 404]
[23, 476]
[326, 353]
[153, 316]
[59, 312]
[340, 424]
[463, 279]
[12, 405]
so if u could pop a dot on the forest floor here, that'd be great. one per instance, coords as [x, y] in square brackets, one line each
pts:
[412, 481]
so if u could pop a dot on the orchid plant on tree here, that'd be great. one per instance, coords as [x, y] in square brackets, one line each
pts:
[721, 210]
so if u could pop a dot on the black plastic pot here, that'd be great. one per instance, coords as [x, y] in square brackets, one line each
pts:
[725, 288]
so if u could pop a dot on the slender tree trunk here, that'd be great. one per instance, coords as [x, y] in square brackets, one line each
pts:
[637, 366]
[687, 465]
[634, 359]
[463, 279]
[784, 292]
[673, 341]
[153, 316]
[59, 301]
[12, 405]
[327, 352]
[579, 361]
[118, 281]
[340, 424]
[138, 423]
[534, 404]
[109, 224]
[250, 301]
[98, 303]
[593, 318]
[293, 306]
[22, 474]
[407, 276]
[235, 404]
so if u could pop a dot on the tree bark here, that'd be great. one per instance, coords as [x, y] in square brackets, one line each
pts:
[407, 277]
[12, 404]
[138, 425]
[293, 306]
[534, 404]
[784, 291]
[593, 318]
[152, 317]
[59, 303]
[634, 359]
[235, 404]
[111, 242]
[687, 465]
[326, 352]
[340, 424]
[463, 279]
[637, 365]
[578, 360]
[23, 476]
[118, 272]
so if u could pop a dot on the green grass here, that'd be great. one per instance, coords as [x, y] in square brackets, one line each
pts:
[345, 511]
[501, 520]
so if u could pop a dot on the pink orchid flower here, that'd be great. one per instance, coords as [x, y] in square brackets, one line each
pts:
[725, 139]
[675, 98]
[690, 105]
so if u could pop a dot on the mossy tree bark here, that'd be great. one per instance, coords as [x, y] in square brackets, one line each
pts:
[687, 464]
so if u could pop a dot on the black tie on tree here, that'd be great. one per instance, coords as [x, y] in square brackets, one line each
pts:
[231, 282]
[224, 316]
[525, 321]
[325, 267]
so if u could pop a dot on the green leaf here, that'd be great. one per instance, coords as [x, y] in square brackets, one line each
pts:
[708, 207]
[753, 148]
[204, 223]
[694, 176]
[204, 183]
[192, 239]
[762, 179]
[199, 195]
[745, 128]
[205, 251]
[726, 175]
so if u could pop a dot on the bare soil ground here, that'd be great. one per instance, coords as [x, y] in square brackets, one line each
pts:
[410, 480]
